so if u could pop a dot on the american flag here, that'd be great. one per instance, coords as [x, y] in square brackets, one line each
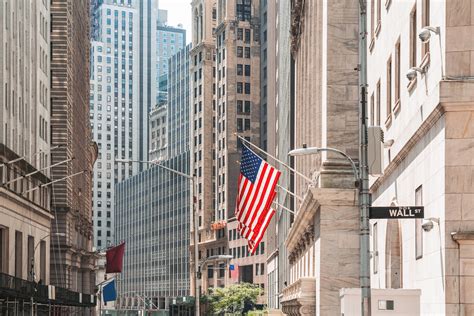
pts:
[257, 182]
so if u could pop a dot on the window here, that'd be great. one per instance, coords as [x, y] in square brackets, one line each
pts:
[375, 246]
[372, 109]
[418, 223]
[240, 69]
[240, 51]
[247, 88]
[247, 36]
[42, 260]
[4, 250]
[240, 34]
[377, 115]
[247, 124]
[413, 37]
[247, 52]
[247, 70]
[244, 10]
[18, 254]
[240, 125]
[239, 87]
[425, 21]
[30, 258]
[389, 90]
[397, 75]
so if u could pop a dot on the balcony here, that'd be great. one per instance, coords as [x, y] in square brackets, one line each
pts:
[15, 288]
[299, 298]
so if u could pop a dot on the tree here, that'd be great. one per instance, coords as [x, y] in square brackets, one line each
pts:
[232, 299]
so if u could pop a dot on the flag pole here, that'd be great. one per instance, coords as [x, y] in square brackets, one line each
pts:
[284, 189]
[274, 158]
[284, 208]
[290, 193]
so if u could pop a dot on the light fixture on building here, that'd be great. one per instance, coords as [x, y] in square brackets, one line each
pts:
[411, 74]
[388, 143]
[425, 33]
[428, 226]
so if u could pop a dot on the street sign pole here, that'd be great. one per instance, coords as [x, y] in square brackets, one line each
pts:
[364, 194]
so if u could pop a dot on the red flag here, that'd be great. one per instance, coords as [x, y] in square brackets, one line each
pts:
[114, 259]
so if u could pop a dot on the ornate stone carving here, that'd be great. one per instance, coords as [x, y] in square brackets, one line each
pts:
[296, 28]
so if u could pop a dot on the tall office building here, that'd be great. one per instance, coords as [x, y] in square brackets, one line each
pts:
[202, 120]
[72, 139]
[169, 40]
[226, 52]
[153, 211]
[158, 134]
[280, 106]
[122, 68]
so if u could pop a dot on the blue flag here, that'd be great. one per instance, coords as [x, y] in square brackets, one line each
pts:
[108, 291]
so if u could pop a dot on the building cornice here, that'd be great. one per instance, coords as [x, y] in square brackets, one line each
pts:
[17, 199]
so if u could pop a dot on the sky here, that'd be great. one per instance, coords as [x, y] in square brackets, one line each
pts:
[179, 11]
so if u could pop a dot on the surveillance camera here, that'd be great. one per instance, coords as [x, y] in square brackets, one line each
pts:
[424, 35]
[427, 226]
[411, 74]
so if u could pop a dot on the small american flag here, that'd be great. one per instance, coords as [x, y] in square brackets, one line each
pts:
[257, 182]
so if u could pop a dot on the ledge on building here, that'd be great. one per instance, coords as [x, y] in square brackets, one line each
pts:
[19, 289]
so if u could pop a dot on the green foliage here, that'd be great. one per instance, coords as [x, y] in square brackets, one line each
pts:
[232, 299]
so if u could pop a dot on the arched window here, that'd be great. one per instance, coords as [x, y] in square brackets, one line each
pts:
[393, 255]
[200, 23]
[196, 26]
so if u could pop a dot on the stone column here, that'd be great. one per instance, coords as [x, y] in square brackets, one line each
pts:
[465, 277]
[337, 247]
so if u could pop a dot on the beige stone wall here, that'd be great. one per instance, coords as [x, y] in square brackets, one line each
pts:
[18, 214]
[327, 88]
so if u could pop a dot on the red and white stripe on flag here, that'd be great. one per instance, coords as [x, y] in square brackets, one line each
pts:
[254, 238]
[257, 182]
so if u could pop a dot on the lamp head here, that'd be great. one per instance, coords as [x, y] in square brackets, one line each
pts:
[304, 151]
[411, 74]
[425, 33]
[121, 160]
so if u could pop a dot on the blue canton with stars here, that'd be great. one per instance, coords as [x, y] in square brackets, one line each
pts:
[250, 164]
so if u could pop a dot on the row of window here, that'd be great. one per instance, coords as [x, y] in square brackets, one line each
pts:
[242, 251]
[393, 70]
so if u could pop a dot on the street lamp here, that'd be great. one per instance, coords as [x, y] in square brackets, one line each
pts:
[316, 150]
[191, 178]
[216, 257]
[364, 203]
[32, 271]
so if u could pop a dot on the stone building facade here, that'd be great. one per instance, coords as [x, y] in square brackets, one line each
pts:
[73, 260]
[25, 214]
[323, 241]
[429, 117]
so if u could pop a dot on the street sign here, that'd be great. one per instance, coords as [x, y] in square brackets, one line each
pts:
[394, 212]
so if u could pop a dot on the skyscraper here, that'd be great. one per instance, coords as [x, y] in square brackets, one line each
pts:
[169, 40]
[72, 139]
[122, 93]
[231, 61]
[153, 210]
